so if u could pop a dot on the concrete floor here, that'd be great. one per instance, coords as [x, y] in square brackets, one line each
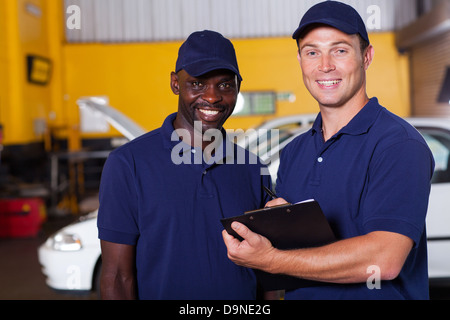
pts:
[21, 277]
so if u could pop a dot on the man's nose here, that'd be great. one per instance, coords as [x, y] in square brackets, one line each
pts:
[326, 64]
[212, 95]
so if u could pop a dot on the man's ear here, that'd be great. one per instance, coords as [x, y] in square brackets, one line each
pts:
[174, 84]
[368, 56]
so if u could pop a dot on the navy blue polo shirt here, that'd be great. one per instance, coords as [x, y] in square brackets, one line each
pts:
[373, 175]
[171, 213]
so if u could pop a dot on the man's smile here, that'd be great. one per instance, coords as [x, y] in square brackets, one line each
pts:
[209, 112]
[329, 83]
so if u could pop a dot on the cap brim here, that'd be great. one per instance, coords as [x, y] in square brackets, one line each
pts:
[329, 22]
[200, 68]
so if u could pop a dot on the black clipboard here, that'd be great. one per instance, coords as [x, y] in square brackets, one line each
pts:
[290, 226]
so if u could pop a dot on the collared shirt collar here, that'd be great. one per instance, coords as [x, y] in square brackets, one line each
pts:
[167, 129]
[360, 123]
[171, 139]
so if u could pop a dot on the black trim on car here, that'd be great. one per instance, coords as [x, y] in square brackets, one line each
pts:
[438, 239]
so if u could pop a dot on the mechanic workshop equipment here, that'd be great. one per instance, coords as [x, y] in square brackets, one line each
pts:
[21, 217]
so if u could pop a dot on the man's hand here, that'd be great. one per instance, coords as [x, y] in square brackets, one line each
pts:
[255, 251]
[276, 202]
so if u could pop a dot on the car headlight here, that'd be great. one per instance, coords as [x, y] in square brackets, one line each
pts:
[63, 241]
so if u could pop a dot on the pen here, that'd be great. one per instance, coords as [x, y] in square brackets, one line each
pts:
[270, 192]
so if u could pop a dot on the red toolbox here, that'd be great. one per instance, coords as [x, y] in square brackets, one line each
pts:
[21, 217]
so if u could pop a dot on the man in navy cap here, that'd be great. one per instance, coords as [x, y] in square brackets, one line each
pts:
[159, 219]
[368, 169]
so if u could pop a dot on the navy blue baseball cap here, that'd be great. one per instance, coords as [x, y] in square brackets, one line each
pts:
[205, 51]
[335, 14]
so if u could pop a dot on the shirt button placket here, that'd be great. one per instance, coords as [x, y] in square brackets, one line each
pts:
[317, 172]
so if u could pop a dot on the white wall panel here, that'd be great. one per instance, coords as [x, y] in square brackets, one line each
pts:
[161, 20]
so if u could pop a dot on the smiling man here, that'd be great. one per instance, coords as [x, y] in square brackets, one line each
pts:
[208, 94]
[368, 169]
[159, 221]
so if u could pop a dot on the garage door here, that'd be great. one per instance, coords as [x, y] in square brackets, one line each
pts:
[429, 63]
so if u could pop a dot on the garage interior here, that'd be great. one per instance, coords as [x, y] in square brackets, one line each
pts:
[51, 155]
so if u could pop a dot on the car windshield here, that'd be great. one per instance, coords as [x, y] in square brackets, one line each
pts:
[439, 143]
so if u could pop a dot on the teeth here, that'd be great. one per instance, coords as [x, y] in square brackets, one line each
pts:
[209, 112]
[329, 82]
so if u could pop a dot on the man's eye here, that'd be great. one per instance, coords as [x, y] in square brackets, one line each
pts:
[311, 54]
[197, 84]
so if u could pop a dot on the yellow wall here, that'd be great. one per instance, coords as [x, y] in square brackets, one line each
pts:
[136, 77]
[9, 75]
[22, 104]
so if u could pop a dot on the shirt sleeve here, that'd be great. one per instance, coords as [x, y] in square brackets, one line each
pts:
[396, 199]
[117, 215]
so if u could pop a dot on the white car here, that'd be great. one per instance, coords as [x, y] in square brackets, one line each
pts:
[71, 258]
[268, 139]
[437, 135]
